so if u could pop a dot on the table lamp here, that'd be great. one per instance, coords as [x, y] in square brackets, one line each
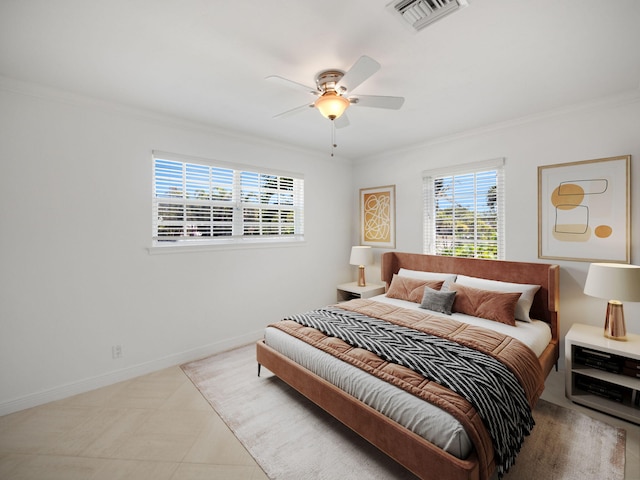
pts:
[614, 281]
[361, 256]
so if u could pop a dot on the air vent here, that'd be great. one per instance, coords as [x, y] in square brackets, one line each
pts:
[420, 13]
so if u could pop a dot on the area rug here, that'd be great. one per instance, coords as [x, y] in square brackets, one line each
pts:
[292, 439]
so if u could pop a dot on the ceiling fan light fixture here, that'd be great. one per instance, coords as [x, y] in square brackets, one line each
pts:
[331, 105]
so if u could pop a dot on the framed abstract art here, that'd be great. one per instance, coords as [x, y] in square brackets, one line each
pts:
[377, 216]
[584, 210]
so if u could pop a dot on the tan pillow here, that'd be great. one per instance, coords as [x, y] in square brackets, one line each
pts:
[527, 292]
[497, 306]
[411, 289]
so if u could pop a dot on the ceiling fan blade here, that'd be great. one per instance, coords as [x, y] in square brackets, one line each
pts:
[291, 84]
[294, 111]
[377, 101]
[342, 121]
[358, 73]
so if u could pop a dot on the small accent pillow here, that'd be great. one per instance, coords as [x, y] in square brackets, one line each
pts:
[438, 301]
[524, 302]
[410, 289]
[489, 304]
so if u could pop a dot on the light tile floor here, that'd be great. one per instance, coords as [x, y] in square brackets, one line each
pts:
[158, 427]
[155, 427]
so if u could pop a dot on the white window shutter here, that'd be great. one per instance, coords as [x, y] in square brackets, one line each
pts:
[464, 210]
[201, 202]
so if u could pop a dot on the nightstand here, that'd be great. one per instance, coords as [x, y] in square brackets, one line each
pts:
[349, 291]
[603, 374]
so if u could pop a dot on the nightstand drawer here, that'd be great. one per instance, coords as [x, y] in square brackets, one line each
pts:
[632, 364]
[631, 372]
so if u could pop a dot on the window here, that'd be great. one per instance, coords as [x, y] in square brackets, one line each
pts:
[196, 202]
[464, 210]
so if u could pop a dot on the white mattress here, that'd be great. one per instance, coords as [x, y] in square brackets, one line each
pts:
[419, 416]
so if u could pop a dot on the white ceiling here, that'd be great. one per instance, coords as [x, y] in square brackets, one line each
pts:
[206, 61]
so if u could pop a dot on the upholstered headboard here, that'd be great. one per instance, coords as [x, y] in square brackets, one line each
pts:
[546, 301]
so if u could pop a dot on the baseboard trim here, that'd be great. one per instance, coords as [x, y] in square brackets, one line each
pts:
[88, 384]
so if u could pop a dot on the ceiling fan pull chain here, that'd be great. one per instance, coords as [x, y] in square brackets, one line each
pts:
[333, 136]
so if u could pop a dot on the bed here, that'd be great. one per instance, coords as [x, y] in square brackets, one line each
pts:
[429, 438]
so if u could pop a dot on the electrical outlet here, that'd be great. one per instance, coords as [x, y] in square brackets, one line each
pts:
[116, 351]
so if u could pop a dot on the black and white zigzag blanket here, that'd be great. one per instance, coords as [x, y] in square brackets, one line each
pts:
[482, 380]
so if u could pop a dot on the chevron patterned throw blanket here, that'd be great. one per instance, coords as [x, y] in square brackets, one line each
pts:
[485, 382]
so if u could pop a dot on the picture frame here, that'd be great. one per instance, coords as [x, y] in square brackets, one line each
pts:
[584, 210]
[378, 216]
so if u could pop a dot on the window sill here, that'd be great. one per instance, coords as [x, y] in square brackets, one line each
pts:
[207, 247]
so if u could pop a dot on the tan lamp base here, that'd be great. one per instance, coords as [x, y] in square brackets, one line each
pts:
[614, 327]
[361, 282]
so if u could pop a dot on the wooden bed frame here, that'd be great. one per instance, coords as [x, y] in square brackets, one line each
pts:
[410, 450]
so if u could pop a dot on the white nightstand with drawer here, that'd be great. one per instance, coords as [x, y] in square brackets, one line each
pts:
[603, 374]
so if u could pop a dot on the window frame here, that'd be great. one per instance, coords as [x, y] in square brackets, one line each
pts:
[207, 191]
[430, 244]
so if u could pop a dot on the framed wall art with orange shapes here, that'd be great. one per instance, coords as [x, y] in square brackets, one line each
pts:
[584, 210]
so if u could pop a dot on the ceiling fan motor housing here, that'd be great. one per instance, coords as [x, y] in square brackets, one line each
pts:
[327, 81]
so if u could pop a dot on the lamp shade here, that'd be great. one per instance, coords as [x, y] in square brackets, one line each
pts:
[332, 105]
[361, 256]
[613, 281]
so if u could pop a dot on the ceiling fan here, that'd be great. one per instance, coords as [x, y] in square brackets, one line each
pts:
[334, 89]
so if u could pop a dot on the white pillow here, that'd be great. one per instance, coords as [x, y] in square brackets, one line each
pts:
[527, 292]
[446, 277]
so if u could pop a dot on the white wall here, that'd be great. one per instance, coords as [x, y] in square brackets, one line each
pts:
[75, 222]
[606, 129]
[76, 277]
